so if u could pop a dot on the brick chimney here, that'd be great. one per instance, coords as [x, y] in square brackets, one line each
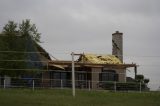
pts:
[117, 45]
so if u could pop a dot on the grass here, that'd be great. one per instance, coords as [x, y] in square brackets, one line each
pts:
[52, 97]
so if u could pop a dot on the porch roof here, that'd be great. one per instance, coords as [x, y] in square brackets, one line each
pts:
[82, 64]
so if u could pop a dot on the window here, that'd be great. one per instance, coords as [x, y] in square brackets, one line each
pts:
[108, 75]
[57, 77]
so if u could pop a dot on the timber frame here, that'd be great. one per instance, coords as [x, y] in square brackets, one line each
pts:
[82, 64]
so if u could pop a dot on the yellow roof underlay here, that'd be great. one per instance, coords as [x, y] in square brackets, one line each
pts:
[99, 59]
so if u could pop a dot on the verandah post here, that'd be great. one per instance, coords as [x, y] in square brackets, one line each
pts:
[73, 75]
[115, 87]
[61, 84]
[89, 85]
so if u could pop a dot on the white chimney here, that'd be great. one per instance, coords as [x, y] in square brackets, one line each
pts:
[117, 45]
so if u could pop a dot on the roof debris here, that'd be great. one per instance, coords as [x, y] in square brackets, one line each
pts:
[99, 59]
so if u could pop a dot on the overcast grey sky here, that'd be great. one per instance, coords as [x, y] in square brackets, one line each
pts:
[87, 26]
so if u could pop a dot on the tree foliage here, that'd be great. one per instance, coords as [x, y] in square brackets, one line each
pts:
[8, 58]
[10, 28]
[146, 81]
[16, 38]
[27, 29]
[140, 78]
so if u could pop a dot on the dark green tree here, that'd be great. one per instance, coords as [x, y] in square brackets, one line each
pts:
[19, 39]
[10, 28]
[27, 29]
[146, 81]
[139, 78]
[8, 58]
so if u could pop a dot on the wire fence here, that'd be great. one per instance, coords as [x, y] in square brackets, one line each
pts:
[85, 83]
[37, 83]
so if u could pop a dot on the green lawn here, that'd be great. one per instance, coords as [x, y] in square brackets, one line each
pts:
[52, 97]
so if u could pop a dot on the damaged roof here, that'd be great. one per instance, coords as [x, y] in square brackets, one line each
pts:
[99, 59]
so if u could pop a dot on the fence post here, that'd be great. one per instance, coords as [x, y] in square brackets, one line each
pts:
[89, 85]
[140, 87]
[115, 87]
[33, 85]
[51, 82]
[86, 84]
[4, 83]
[61, 84]
[0, 82]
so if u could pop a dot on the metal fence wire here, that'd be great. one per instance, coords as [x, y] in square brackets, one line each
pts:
[36, 83]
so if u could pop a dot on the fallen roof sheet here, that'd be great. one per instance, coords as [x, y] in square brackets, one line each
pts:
[57, 66]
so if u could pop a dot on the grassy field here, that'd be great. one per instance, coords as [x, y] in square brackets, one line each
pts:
[52, 97]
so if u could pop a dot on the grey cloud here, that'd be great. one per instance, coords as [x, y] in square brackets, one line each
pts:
[87, 25]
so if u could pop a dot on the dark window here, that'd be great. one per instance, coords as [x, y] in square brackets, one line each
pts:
[81, 80]
[108, 75]
[81, 76]
[57, 77]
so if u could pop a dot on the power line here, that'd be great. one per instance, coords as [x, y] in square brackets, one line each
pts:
[33, 61]
[22, 61]
[19, 52]
[25, 52]
[70, 53]
[43, 70]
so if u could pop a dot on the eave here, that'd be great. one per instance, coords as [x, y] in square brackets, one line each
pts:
[82, 64]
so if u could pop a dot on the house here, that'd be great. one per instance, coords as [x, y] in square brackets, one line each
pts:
[91, 69]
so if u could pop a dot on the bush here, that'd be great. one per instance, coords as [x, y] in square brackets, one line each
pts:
[133, 86]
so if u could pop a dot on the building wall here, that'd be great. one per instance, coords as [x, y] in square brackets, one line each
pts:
[95, 77]
[121, 75]
[45, 79]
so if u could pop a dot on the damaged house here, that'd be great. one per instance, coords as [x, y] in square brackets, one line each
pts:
[90, 69]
